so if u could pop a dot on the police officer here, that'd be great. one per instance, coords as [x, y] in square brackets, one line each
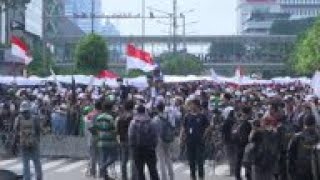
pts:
[27, 126]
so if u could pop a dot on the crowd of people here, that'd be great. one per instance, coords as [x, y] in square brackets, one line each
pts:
[270, 131]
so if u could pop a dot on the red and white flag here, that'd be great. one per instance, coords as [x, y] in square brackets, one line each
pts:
[20, 49]
[139, 59]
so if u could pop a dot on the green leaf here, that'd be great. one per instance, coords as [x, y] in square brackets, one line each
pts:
[91, 54]
[180, 64]
[306, 58]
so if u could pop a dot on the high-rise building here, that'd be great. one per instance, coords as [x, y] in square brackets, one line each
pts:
[300, 8]
[257, 16]
[84, 7]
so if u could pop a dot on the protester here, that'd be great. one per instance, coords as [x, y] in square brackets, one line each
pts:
[92, 142]
[165, 145]
[301, 151]
[265, 153]
[104, 130]
[59, 120]
[241, 141]
[122, 127]
[277, 112]
[194, 128]
[143, 138]
[228, 123]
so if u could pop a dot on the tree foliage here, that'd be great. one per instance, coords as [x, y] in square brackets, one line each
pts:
[91, 54]
[306, 58]
[180, 64]
[36, 66]
[135, 73]
[291, 27]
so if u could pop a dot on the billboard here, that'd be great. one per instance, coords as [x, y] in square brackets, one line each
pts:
[33, 18]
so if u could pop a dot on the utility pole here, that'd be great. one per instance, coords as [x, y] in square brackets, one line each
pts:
[184, 37]
[174, 26]
[143, 23]
[92, 16]
[184, 33]
[44, 21]
[170, 31]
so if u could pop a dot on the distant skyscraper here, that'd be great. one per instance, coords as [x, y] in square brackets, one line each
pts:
[257, 16]
[81, 7]
[300, 8]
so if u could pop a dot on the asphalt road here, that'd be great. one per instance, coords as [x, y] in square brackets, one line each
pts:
[69, 169]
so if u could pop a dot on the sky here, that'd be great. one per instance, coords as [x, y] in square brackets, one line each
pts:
[211, 17]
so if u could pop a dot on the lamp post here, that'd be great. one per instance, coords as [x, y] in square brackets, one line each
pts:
[92, 16]
[143, 23]
[44, 35]
[174, 26]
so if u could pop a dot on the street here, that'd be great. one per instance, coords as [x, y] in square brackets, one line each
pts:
[68, 169]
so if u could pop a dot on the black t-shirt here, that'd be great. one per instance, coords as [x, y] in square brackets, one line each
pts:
[123, 125]
[195, 126]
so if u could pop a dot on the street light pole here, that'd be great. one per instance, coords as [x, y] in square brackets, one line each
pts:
[44, 35]
[174, 26]
[92, 16]
[184, 33]
[143, 23]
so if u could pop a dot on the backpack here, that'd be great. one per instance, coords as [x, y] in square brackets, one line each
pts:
[266, 152]
[305, 149]
[286, 132]
[167, 133]
[145, 135]
[27, 133]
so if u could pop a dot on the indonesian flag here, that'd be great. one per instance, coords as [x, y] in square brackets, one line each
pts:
[20, 49]
[104, 74]
[139, 59]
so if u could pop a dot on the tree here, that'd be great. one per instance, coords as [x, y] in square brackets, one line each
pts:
[306, 57]
[36, 66]
[180, 64]
[91, 54]
[291, 27]
[135, 73]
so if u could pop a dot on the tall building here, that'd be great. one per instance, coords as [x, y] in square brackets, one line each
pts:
[300, 8]
[84, 7]
[257, 16]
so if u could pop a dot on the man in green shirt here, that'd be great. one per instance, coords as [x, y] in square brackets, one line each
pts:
[105, 134]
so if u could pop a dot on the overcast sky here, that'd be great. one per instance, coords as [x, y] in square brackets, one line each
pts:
[213, 17]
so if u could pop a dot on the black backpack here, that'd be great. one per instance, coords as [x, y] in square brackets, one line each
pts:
[167, 133]
[266, 153]
[305, 150]
[145, 135]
